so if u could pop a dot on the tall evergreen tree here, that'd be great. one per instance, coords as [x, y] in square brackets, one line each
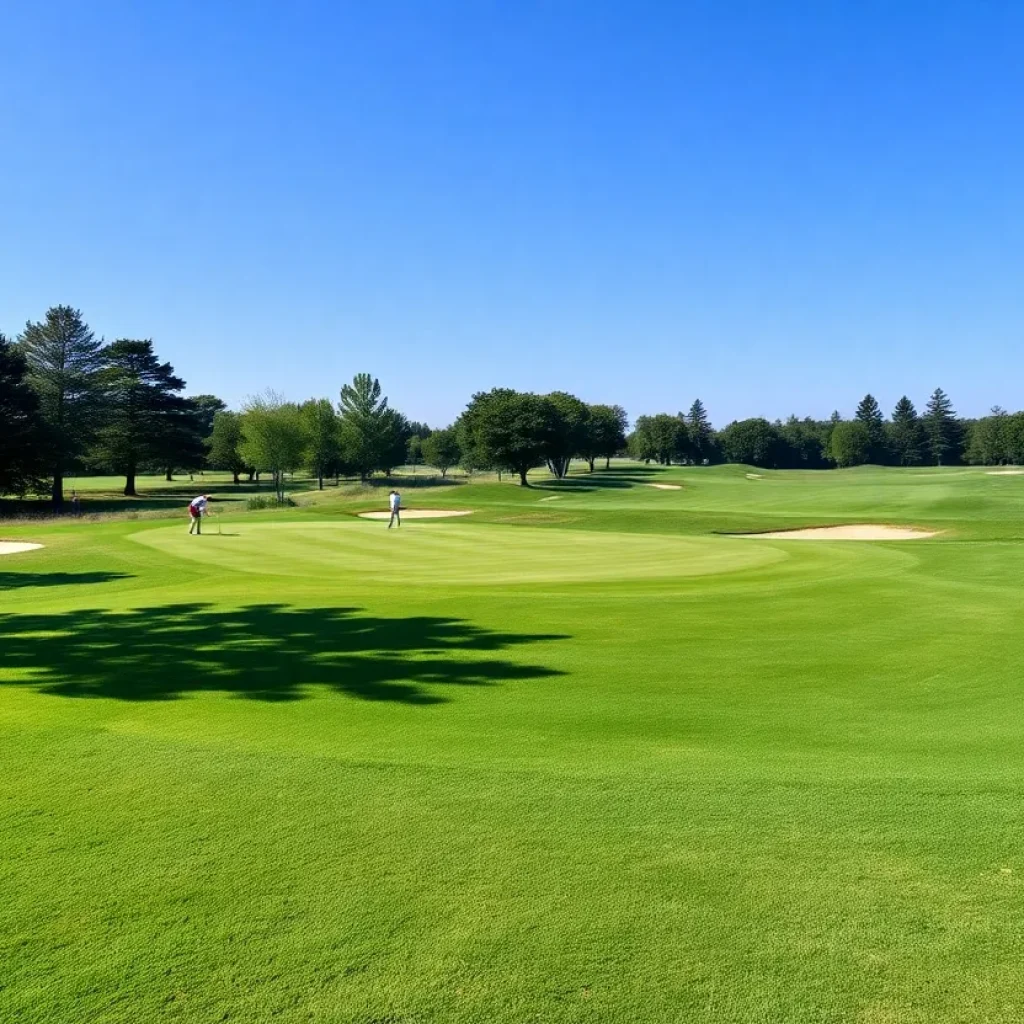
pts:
[63, 358]
[701, 435]
[906, 434]
[941, 429]
[367, 427]
[22, 433]
[870, 414]
[144, 413]
[205, 408]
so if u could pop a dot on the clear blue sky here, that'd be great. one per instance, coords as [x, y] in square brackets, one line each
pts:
[775, 206]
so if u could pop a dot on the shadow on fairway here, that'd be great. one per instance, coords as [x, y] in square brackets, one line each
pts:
[265, 652]
[600, 479]
[17, 580]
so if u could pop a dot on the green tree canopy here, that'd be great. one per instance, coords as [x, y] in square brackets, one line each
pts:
[605, 433]
[273, 440]
[63, 358]
[569, 434]
[142, 405]
[321, 435]
[506, 429]
[850, 443]
[223, 447]
[441, 450]
[23, 440]
[753, 442]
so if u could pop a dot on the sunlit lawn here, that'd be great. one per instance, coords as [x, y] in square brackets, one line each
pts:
[575, 757]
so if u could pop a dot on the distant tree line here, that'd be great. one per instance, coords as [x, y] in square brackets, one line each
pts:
[71, 403]
[936, 437]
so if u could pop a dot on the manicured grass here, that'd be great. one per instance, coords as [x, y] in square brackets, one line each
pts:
[580, 759]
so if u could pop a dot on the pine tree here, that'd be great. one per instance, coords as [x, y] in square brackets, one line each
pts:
[145, 419]
[700, 432]
[906, 435]
[365, 424]
[63, 358]
[869, 413]
[22, 434]
[942, 431]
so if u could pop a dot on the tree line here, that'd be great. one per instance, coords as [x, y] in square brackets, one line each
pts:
[935, 437]
[71, 403]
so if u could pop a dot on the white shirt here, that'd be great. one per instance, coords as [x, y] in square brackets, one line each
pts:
[396, 501]
[199, 504]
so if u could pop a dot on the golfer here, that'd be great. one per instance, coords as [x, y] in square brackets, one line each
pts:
[396, 509]
[196, 511]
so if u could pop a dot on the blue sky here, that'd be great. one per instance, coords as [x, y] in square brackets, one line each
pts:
[774, 206]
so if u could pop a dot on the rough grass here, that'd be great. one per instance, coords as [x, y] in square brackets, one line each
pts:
[581, 762]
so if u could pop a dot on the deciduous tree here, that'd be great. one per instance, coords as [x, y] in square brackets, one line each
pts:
[224, 444]
[441, 450]
[569, 436]
[272, 437]
[506, 429]
[850, 443]
[321, 436]
[754, 442]
[605, 435]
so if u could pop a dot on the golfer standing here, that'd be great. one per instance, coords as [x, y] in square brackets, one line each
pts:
[196, 511]
[396, 509]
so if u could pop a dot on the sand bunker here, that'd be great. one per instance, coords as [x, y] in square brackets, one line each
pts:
[417, 513]
[863, 531]
[666, 487]
[1006, 472]
[11, 547]
[753, 476]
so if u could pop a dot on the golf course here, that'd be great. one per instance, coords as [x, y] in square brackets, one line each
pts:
[588, 751]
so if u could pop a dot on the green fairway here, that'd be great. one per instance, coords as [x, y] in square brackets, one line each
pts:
[578, 756]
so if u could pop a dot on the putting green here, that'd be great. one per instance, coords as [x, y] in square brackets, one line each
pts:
[456, 553]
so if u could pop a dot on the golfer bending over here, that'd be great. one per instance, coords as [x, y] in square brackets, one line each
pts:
[396, 509]
[196, 511]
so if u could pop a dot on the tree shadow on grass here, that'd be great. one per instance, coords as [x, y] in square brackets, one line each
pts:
[17, 580]
[267, 652]
[601, 479]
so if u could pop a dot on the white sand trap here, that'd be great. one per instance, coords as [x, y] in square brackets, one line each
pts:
[864, 531]
[754, 476]
[418, 513]
[554, 497]
[666, 487]
[1006, 472]
[12, 547]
